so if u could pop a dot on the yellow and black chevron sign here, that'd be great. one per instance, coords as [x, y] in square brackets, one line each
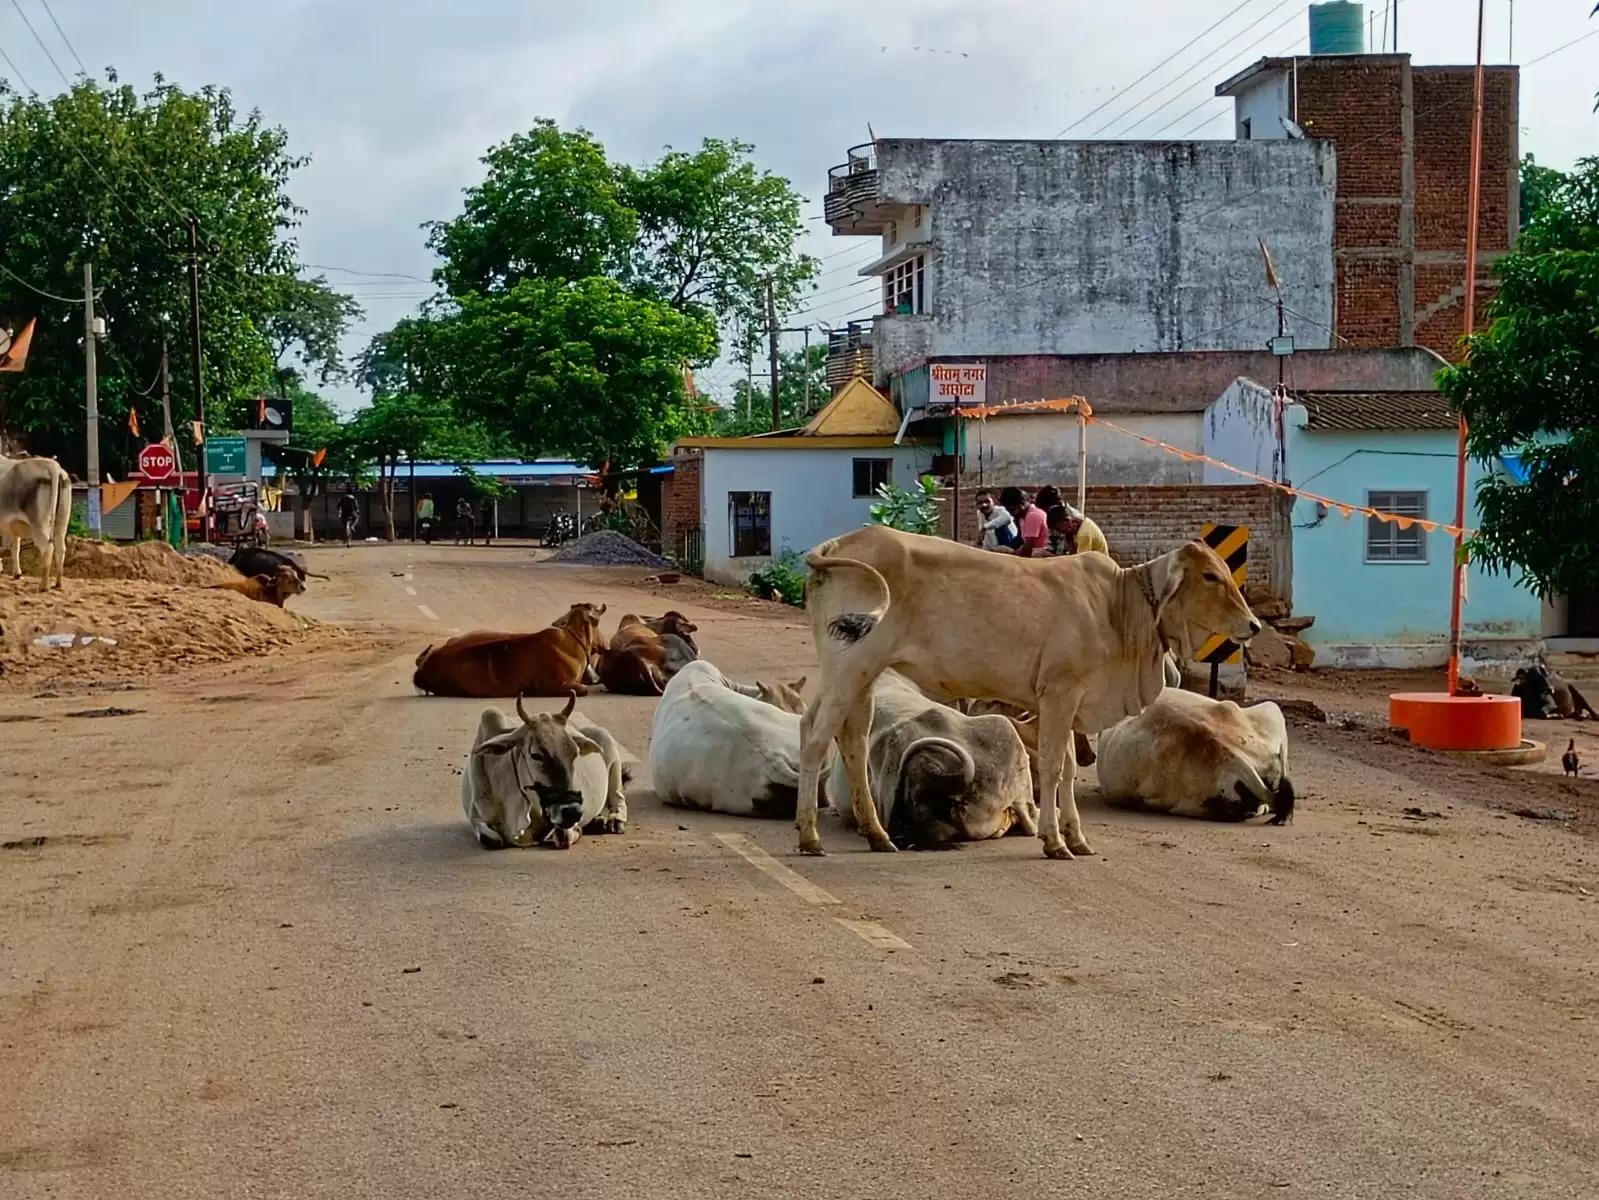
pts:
[1231, 542]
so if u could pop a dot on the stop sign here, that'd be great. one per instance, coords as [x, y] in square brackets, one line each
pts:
[156, 464]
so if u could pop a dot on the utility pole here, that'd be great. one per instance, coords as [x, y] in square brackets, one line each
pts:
[199, 372]
[166, 397]
[771, 345]
[807, 371]
[91, 397]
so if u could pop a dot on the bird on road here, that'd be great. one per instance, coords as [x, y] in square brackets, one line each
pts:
[1568, 760]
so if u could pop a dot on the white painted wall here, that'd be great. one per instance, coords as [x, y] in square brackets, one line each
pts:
[1239, 428]
[1040, 448]
[1262, 104]
[811, 491]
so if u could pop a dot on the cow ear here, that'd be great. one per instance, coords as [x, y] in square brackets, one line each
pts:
[799, 684]
[498, 744]
[585, 745]
[602, 610]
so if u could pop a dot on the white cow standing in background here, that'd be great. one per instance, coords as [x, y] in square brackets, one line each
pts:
[36, 502]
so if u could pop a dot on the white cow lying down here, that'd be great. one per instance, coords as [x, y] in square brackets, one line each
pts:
[1192, 756]
[548, 778]
[937, 775]
[720, 746]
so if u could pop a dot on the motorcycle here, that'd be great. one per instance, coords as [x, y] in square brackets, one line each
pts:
[562, 527]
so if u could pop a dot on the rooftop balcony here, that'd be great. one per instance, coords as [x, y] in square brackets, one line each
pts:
[852, 204]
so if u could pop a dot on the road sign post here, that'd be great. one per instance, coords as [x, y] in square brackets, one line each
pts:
[157, 464]
[224, 456]
[1231, 544]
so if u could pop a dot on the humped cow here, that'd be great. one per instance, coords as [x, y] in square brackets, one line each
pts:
[721, 746]
[258, 560]
[269, 589]
[940, 776]
[645, 652]
[484, 663]
[1192, 756]
[548, 779]
[1078, 639]
[36, 502]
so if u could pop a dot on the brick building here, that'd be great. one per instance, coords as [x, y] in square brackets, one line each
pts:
[1402, 134]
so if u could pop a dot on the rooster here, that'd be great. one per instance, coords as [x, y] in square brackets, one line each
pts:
[1568, 760]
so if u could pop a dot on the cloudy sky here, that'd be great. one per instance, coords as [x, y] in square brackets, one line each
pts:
[396, 100]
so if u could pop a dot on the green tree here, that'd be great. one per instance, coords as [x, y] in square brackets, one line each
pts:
[398, 428]
[585, 369]
[1530, 383]
[1538, 186]
[713, 230]
[749, 410]
[106, 175]
[310, 320]
[550, 207]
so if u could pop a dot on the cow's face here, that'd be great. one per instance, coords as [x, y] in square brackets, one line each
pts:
[547, 773]
[676, 622]
[288, 583]
[1198, 598]
[582, 621]
[785, 696]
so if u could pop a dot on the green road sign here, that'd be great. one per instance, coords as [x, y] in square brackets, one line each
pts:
[224, 456]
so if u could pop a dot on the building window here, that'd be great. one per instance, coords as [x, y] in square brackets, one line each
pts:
[1244, 126]
[871, 474]
[903, 287]
[1386, 542]
[750, 515]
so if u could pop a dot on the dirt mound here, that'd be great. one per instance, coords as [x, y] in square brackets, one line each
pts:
[153, 562]
[116, 629]
[607, 548]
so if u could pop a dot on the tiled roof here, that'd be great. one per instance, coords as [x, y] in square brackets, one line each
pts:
[1371, 411]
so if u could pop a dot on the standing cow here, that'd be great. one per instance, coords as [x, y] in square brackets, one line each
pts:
[1079, 640]
[36, 502]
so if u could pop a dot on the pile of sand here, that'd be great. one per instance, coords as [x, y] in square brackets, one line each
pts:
[129, 629]
[154, 562]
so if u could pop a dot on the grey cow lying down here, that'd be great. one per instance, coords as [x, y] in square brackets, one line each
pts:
[937, 775]
[1192, 756]
[549, 778]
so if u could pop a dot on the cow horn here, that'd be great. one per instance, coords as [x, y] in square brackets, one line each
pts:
[602, 610]
[571, 703]
[522, 712]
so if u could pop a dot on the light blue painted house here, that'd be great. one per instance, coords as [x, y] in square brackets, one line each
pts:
[1380, 592]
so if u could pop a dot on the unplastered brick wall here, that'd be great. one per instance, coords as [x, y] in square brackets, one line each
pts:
[680, 501]
[1141, 523]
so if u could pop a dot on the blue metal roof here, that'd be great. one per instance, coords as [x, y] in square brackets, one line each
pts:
[499, 468]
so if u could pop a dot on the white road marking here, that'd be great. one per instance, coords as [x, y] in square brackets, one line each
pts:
[428, 612]
[408, 575]
[869, 932]
[410, 591]
[875, 934]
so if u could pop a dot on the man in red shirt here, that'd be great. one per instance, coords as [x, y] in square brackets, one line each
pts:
[1031, 522]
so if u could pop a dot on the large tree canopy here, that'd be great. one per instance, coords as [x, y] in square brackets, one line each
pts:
[1531, 384]
[584, 369]
[106, 175]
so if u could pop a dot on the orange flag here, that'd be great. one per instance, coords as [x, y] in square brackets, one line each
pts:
[14, 347]
[133, 421]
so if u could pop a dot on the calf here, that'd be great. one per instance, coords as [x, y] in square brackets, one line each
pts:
[1544, 694]
[550, 779]
[36, 502]
[939, 776]
[485, 663]
[720, 746]
[269, 589]
[1192, 756]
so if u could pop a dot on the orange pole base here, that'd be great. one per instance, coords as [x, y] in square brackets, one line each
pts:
[1440, 721]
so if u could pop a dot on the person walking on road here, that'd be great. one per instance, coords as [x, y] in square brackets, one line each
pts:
[463, 521]
[347, 512]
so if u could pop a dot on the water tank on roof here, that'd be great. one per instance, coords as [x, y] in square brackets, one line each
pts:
[1338, 28]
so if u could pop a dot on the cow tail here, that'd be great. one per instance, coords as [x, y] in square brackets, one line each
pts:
[862, 611]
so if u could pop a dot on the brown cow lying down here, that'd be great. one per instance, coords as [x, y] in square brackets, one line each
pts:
[551, 662]
[269, 589]
[647, 651]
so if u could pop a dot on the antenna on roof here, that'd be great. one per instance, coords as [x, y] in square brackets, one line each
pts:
[870, 136]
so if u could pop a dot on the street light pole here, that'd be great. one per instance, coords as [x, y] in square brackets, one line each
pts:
[91, 398]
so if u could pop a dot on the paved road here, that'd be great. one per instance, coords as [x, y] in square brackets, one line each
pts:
[259, 955]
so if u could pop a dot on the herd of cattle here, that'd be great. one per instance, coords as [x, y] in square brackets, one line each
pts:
[927, 728]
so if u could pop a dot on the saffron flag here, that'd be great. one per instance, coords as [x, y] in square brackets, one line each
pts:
[14, 345]
[133, 421]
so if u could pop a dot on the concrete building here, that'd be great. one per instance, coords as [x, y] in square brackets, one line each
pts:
[1379, 590]
[734, 504]
[1013, 247]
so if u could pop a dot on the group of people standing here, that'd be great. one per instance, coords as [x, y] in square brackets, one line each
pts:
[1041, 526]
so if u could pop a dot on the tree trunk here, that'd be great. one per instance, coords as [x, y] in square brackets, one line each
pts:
[386, 492]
